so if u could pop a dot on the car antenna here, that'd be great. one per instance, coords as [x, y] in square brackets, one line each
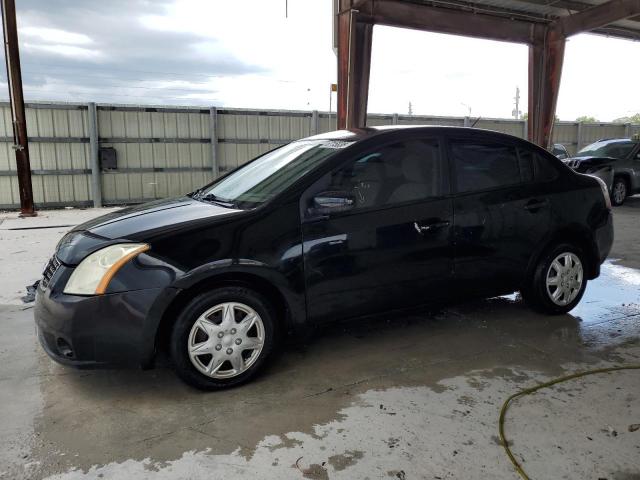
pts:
[474, 123]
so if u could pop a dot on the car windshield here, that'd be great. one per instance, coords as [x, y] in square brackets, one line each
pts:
[612, 149]
[268, 175]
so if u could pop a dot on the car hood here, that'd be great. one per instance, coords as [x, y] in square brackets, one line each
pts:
[141, 223]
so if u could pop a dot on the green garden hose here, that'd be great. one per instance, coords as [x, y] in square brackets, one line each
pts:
[527, 391]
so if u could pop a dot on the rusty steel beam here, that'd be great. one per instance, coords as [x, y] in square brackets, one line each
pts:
[598, 16]
[16, 99]
[546, 56]
[403, 14]
[354, 66]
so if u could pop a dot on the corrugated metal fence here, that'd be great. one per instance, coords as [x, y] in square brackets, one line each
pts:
[168, 151]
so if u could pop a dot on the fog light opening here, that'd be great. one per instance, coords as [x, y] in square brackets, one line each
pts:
[64, 348]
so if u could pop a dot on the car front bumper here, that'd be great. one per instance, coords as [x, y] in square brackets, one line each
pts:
[95, 331]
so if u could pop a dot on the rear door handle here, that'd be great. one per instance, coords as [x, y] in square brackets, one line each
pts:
[536, 204]
[431, 227]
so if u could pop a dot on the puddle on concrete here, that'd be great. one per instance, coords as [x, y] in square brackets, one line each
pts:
[557, 436]
[431, 382]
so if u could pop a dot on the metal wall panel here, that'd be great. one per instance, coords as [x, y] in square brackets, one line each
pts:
[430, 120]
[59, 166]
[245, 134]
[511, 127]
[328, 122]
[148, 142]
[166, 151]
[596, 131]
[566, 133]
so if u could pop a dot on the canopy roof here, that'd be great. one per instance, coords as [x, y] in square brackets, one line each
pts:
[539, 11]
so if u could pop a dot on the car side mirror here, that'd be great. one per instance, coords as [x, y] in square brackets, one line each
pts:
[329, 202]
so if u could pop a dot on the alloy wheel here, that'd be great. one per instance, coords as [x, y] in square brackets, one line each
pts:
[564, 278]
[619, 191]
[226, 340]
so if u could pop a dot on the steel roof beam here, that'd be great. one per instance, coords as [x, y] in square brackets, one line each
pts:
[597, 17]
[402, 14]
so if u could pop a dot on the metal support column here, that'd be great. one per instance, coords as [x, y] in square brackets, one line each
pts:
[394, 119]
[546, 56]
[315, 123]
[96, 181]
[16, 99]
[354, 65]
[213, 132]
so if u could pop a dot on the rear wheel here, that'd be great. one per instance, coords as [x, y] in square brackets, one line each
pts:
[223, 338]
[619, 191]
[558, 281]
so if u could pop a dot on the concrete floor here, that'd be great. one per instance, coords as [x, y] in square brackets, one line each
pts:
[401, 398]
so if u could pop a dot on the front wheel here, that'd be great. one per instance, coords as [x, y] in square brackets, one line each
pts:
[222, 338]
[558, 281]
[619, 191]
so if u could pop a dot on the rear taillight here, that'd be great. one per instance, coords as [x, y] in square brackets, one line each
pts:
[605, 192]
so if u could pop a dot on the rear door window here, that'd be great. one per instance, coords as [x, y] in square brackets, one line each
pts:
[481, 165]
[543, 169]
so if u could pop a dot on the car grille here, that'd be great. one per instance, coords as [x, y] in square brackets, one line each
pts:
[49, 271]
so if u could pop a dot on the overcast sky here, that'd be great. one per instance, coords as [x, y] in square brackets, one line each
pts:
[245, 53]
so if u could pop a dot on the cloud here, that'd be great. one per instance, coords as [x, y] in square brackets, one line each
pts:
[101, 51]
[55, 35]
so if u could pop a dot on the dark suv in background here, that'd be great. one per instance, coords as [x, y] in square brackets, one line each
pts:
[616, 161]
[336, 226]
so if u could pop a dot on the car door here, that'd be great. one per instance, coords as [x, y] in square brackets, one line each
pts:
[501, 213]
[392, 248]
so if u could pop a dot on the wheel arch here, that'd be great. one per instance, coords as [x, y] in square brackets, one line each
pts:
[576, 235]
[290, 313]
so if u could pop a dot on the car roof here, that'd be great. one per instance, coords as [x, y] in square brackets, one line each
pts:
[606, 141]
[358, 134]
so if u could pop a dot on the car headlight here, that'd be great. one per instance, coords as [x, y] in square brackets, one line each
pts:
[95, 272]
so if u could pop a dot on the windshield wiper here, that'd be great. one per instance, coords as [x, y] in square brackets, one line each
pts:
[211, 197]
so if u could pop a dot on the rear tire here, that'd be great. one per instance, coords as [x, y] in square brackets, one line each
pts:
[558, 280]
[223, 338]
[619, 191]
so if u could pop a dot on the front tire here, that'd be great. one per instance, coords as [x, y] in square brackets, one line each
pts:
[223, 338]
[558, 281]
[619, 191]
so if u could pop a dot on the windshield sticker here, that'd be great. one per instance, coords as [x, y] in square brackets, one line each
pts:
[335, 144]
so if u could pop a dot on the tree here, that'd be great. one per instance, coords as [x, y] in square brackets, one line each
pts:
[632, 119]
[586, 119]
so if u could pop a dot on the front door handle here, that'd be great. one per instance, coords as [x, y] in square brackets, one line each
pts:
[536, 205]
[431, 227]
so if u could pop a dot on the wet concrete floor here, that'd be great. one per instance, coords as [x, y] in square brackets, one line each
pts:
[401, 398]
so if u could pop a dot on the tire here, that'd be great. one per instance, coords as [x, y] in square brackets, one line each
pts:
[619, 191]
[540, 296]
[215, 327]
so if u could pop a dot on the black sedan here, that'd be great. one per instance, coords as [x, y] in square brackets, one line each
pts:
[330, 227]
